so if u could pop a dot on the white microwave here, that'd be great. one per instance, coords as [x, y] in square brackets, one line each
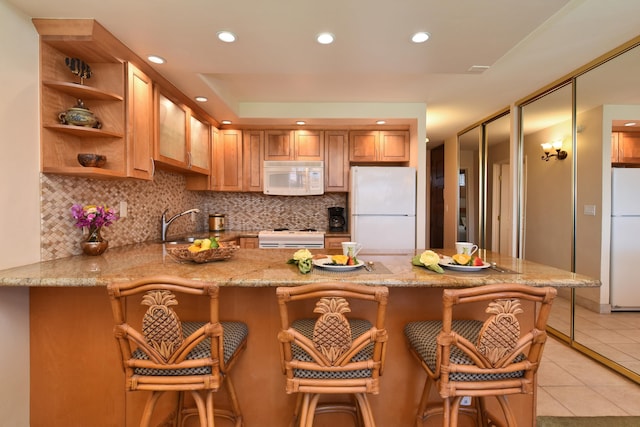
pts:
[293, 178]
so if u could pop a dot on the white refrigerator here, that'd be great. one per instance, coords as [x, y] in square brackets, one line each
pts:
[625, 239]
[383, 208]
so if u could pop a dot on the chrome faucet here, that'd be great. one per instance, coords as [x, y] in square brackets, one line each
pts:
[165, 223]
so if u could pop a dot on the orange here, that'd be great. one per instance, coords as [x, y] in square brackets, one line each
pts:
[462, 259]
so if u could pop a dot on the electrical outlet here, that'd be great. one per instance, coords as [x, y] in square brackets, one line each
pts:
[123, 210]
[465, 401]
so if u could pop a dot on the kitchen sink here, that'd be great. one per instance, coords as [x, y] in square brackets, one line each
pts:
[183, 240]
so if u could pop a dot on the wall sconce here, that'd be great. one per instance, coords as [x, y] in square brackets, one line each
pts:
[555, 145]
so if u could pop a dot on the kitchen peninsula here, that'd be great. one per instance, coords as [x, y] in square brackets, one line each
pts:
[76, 377]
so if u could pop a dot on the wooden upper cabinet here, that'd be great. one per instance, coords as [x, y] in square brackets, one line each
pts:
[183, 140]
[199, 145]
[629, 147]
[278, 145]
[363, 146]
[379, 147]
[293, 145]
[227, 161]
[139, 124]
[171, 142]
[336, 161]
[141, 115]
[252, 153]
[394, 146]
[308, 145]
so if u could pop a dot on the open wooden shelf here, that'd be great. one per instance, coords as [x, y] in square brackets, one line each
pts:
[82, 91]
[86, 172]
[83, 131]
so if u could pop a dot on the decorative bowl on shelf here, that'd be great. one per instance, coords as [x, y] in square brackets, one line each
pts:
[181, 253]
[92, 160]
[79, 115]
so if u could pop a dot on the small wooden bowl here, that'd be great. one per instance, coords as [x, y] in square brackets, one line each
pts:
[92, 160]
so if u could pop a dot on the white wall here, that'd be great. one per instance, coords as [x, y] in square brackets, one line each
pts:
[19, 203]
[19, 140]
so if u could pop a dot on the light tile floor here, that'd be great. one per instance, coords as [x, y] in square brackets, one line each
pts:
[614, 335]
[571, 384]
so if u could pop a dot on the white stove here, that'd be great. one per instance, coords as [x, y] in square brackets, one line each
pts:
[291, 239]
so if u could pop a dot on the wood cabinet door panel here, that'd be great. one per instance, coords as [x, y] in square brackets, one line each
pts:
[249, 242]
[629, 147]
[139, 124]
[252, 146]
[363, 146]
[309, 145]
[614, 147]
[334, 242]
[336, 161]
[278, 145]
[227, 161]
[172, 132]
[199, 144]
[394, 146]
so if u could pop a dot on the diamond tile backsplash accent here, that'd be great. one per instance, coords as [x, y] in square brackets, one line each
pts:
[146, 200]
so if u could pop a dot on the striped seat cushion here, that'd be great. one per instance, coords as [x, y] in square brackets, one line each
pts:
[305, 327]
[422, 337]
[234, 334]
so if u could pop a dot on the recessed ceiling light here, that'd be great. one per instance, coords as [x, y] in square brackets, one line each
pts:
[226, 122]
[156, 59]
[380, 122]
[301, 122]
[420, 37]
[201, 98]
[325, 38]
[227, 36]
[630, 124]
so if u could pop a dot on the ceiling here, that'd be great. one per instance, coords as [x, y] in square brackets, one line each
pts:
[275, 73]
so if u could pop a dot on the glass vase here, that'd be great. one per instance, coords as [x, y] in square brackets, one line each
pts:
[94, 244]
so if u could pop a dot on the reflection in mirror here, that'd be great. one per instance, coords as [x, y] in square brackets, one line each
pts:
[469, 207]
[607, 98]
[462, 205]
[546, 222]
[498, 207]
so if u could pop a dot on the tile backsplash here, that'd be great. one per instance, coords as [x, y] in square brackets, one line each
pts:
[146, 200]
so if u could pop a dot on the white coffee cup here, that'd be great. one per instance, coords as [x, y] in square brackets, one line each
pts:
[353, 246]
[466, 248]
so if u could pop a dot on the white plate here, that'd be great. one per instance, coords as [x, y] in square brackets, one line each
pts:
[447, 262]
[327, 264]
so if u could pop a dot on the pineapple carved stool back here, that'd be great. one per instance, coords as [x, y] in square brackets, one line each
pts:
[161, 353]
[331, 353]
[476, 358]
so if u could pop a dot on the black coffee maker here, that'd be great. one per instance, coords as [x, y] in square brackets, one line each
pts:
[336, 219]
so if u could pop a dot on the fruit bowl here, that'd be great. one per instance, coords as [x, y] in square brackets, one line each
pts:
[182, 253]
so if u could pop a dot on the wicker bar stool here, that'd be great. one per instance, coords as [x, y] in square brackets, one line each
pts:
[332, 354]
[160, 353]
[477, 358]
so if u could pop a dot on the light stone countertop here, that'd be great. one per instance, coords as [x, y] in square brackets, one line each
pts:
[268, 267]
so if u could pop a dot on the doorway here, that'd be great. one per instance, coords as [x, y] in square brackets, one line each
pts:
[436, 198]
